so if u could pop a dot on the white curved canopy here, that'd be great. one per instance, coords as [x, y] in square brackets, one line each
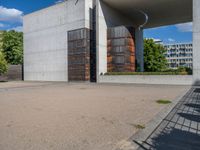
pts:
[160, 12]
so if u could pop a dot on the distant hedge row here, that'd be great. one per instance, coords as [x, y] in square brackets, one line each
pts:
[178, 71]
[147, 73]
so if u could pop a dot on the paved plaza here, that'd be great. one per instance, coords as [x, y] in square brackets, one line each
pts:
[76, 116]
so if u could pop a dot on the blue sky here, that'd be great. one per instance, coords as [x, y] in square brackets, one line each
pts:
[171, 34]
[11, 12]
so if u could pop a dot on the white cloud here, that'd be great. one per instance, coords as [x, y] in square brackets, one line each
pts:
[10, 14]
[18, 29]
[2, 25]
[171, 40]
[59, 1]
[157, 40]
[185, 27]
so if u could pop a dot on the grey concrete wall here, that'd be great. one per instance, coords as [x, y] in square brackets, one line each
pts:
[45, 39]
[196, 42]
[147, 79]
[14, 73]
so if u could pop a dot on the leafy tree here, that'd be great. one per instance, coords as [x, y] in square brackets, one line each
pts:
[13, 47]
[3, 64]
[154, 56]
[1, 36]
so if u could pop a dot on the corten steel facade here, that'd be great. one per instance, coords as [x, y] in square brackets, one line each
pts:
[121, 49]
[54, 50]
[79, 55]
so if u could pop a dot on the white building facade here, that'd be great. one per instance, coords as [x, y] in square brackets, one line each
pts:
[179, 55]
[46, 36]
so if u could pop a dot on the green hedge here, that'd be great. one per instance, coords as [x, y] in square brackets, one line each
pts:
[147, 73]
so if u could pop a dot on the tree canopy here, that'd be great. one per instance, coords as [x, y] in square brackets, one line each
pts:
[154, 56]
[3, 64]
[12, 47]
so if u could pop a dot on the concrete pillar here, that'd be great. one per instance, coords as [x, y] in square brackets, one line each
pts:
[196, 42]
[101, 40]
[139, 49]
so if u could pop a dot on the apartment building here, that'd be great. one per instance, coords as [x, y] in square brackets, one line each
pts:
[179, 55]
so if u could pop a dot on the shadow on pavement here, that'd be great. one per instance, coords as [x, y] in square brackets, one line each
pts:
[195, 118]
[176, 139]
[193, 105]
[180, 130]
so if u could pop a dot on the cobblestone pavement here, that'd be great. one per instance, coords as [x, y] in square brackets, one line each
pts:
[180, 130]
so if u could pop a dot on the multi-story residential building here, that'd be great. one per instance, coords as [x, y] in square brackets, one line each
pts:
[180, 54]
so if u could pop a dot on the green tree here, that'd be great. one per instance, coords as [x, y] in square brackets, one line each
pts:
[154, 56]
[1, 36]
[3, 64]
[13, 47]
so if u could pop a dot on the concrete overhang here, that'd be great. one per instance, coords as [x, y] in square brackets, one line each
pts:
[160, 12]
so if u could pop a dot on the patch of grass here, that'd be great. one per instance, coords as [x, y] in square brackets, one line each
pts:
[139, 126]
[163, 101]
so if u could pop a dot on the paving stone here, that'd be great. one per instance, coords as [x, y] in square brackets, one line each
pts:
[180, 130]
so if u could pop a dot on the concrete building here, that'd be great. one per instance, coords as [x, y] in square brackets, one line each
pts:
[179, 55]
[51, 36]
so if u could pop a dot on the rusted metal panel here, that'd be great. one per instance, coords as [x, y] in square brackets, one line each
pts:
[121, 49]
[79, 55]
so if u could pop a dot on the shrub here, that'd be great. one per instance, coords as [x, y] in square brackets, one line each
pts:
[146, 73]
[180, 69]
